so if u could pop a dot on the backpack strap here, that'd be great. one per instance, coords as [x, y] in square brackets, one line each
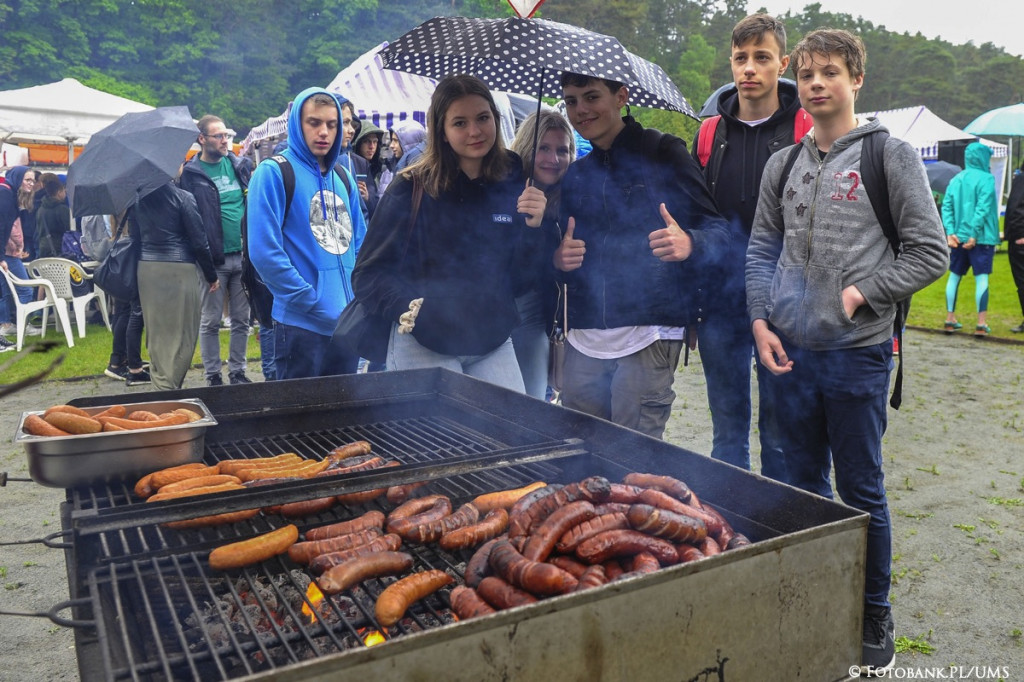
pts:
[706, 138]
[288, 177]
[794, 152]
[801, 124]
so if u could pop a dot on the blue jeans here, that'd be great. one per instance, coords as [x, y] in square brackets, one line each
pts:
[499, 367]
[530, 341]
[300, 353]
[267, 353]
[25, 294]
[834, 406]
[726, 349]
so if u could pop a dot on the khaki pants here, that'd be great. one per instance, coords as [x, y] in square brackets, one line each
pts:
[171, 295]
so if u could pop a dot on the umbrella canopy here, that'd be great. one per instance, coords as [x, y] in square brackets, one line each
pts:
[940, 173]
[710, 107]
[128, 159]
[528, 56]
[1002, 121]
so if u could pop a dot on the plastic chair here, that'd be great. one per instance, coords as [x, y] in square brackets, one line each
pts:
[51, 300]
[59, 272]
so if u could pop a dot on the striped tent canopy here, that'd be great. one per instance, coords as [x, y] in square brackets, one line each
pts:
[381, 95]
[272, 127]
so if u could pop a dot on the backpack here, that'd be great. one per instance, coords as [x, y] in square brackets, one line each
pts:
[872, 171]
[709, 126]
[261, 300]
[71, 246]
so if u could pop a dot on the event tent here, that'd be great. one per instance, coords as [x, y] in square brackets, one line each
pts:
[65, 112]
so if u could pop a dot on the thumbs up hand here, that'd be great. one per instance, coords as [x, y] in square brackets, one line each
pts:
[532, 203]
[569, 254]
[670, 243]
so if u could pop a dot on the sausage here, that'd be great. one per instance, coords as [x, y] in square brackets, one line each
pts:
[191, 492]
[65, 409]
[725, 531]
[656, 498]
[199, 482]
[567, 563]
[361, 497]
[532, 576]
[621, 492]
[306, 507]
[592, 489]
[303, 552]
[37, 426]
[709, 547]
[529, 498]
[440, 508]
[593, 576]
[357, 569]
[688, 553]
[397, 494]
[666, 524]
[73, 423]
[479, 565]
[400, 595]
[359, 463]
[466, 603]
[571, 539]
[613, 569]
[491, 526]
[144, 486]
[384, 543]
[253, 550]
[617, 543]
[142, 416]
[504, 499]
[175, 474]
[131, 424]
[189, 414]
[416, 506]
[371, 519]
[540, 543]
[611, 507]
[502, 595]
[360, 447]
[110, 427]
[307, 469]
[666, 484]
[431, 531]
[230, 466]
[213, 520]
[738, 540]
[644, 562]
[112, 411]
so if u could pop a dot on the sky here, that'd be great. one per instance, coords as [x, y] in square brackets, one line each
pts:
[998, 21]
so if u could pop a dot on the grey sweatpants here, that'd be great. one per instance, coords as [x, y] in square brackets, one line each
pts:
[171, 296]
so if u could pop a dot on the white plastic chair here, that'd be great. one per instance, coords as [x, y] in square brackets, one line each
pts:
[59, 272]
[51, 300]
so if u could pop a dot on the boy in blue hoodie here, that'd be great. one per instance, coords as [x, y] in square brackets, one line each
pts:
[305, 251]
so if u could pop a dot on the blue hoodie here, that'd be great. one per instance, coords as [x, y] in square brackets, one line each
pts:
[306, 262]
[970, 207]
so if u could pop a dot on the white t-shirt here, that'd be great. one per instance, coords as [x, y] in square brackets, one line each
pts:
[609, 344]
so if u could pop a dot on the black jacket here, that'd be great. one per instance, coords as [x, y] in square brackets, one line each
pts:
[1013, 228]
[464, 258]
[166, 223]
[195, 181]
[614, 197]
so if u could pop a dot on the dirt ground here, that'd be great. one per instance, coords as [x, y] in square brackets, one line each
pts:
[954, 472]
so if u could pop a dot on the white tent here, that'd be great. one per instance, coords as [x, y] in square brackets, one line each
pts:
[62, 112]
[924, 130]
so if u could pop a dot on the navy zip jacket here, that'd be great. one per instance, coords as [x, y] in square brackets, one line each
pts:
[621, 283]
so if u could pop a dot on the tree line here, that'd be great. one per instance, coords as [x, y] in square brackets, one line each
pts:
[245, 60]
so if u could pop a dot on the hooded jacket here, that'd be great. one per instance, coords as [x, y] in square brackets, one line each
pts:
[52, 220]
[9, 210]
[195, 180]
[824, 236]
[413, 138]
[371, 168]
[306, 261]
[1013, 227]
[970, 208]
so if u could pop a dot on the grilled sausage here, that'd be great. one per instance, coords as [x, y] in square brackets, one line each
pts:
[144, 487]
[479, 565]
[294, 510]
[738, 540]
[709, 547]
[611, 508]
[725, 532]
[303, 552]
[400, 595]
[384, 543]
[131, 424]
[417, 506]
[357, 569]
[191, 492]
[622, 492]
[491, 526]
[567, 563]
[213, 520]
[593, 576]
[666, 484]
[540, 543]
[199, 482]
[360, 447]
[358, 463]
[501, 595]
[112, 411]
[666, 524]
[175, 474]
[432, 531]
[37, 426]
[142, 416]
[397, 494]
[644, 562]
[308, 469]
[571, 539]
[519, 518]
[65, 409]
[371, 519]
[613, 569]
[688, 553]
[466, 603]
[656, 498]
[504, 499]
[532, 576]
[440, 508]
[231, 466]
[253, 550]
[592, 489]
[74, 424]
[619, 543]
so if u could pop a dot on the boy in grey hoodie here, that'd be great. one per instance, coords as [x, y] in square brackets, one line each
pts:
[822, 287]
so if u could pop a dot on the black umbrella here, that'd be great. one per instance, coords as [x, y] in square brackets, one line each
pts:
[940, 173]
[710, 107]
[528, 56]
[128, 159]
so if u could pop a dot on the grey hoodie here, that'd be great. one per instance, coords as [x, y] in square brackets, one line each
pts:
[824, 237]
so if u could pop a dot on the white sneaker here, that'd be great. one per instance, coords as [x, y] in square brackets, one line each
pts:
[8, 329]
[32, 330]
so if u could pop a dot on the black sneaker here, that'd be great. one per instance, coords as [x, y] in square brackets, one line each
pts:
[6, 345]
[214, 380]
[239, 378]
[1019, 329]
[120, 372]
[137, 378]
[878, 652]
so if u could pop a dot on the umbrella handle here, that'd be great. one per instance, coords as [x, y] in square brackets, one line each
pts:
[536, 127]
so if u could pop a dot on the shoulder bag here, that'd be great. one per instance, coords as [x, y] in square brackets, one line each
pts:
[117, 273]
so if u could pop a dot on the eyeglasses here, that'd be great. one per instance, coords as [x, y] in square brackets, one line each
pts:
[220, 136]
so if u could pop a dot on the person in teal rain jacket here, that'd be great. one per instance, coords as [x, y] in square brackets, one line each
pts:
[970, 214]
[305, 250]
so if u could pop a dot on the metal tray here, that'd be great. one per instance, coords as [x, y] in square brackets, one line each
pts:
[71, 461]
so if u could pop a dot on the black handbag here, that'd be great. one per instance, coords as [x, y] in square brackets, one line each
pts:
[360, 331]
[117, 274]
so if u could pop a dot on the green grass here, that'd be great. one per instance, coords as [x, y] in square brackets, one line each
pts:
[88, 358]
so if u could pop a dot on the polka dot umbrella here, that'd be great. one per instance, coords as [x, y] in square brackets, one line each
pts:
[528, 56]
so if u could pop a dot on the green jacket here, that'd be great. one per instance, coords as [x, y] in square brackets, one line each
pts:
[970, 207]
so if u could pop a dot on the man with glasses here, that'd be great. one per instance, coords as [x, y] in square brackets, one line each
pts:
[218, 179]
